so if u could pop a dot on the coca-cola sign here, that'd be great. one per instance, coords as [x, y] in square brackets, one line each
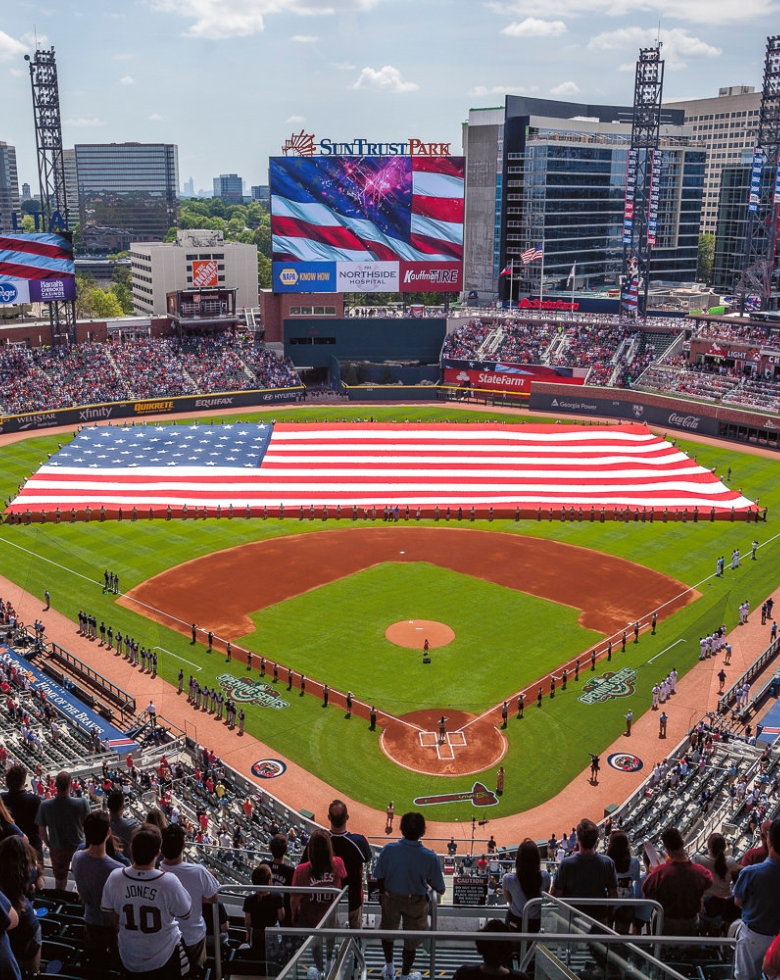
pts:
[684, 421]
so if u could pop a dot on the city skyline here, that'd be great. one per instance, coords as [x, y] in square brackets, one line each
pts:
[229, 80]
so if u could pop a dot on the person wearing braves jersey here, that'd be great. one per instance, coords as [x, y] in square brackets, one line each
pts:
[354, 850]
[145, 904]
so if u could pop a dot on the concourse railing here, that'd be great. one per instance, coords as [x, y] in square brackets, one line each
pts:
[571, 944]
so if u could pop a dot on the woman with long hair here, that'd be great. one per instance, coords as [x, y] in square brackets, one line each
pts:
[527, 881]
[628, 869]
[7, 826]
[322, 869]
[718, 907]
[18, 873]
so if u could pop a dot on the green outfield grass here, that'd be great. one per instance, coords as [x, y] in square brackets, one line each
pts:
[336, 634]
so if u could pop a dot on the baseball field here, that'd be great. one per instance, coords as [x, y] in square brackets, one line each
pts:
[504, 605]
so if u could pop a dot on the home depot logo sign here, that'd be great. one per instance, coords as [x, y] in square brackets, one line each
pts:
[204, 273]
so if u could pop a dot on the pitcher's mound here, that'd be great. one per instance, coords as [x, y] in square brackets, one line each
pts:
[412, 633]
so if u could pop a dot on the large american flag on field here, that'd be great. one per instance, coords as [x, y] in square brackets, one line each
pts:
[371, 464]
[358, 209]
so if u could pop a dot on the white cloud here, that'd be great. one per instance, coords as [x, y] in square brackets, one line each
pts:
[124, 56]
[343, 65]
[678, 45]
[481, 90]
[84, 122]
[386, 79]
[156, 117]
[17, 72]
[218, 19]
[10, 47]
[533, 27]
[127, 80]
[304, 38]
[698, 11]
[296, 119]
[565, 88]
[32, 40]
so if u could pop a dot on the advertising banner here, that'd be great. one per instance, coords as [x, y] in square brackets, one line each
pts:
[304, 277]
[628, 208]
[123, 410]
[204, 273]
[13, 291]
[755, 180]
[367, 277]
[77, 712]
[431, 277]
[510, 377]
[50, 290]
[44, 260]
[652, 207]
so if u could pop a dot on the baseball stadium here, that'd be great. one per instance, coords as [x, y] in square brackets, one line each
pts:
[452, 608]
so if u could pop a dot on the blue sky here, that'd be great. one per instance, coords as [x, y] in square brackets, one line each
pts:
[230, 80]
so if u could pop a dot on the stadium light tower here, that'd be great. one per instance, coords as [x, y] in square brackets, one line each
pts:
[51, 174]
[758, 270]
[640, 216]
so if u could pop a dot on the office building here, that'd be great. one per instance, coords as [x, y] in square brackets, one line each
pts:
[261, 193]
[198, 262]
[725, 126]
[71, 186]
[127, 192]
[189, 188]
[539, 171]
[230, 188]
[731, 228]
[9, 187]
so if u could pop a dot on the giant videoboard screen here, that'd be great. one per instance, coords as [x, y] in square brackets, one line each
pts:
[36, 268]
[367, 224]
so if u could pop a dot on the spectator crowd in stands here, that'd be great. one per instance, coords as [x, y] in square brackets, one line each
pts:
[42, 379]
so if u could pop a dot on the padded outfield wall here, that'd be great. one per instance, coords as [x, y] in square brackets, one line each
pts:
[723, 421]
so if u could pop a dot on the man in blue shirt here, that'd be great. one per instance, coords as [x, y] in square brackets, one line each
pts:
[405, 870]
[757, 893]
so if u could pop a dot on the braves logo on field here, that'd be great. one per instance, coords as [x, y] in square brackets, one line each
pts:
[625, 762]
[251, 692]
[612, 684]
[269, 768]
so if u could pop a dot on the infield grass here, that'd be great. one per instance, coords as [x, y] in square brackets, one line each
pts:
[336, 634]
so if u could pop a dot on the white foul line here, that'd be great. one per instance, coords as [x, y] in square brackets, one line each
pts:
[665, 650]
[163, 650]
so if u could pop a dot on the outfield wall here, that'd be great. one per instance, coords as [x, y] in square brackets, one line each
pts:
[723, 421]
[140, 408]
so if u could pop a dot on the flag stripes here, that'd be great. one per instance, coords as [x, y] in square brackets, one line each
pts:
[372, 465]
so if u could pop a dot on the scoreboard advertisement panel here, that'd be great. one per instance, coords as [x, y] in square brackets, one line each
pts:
[370, 224]
[36, 268]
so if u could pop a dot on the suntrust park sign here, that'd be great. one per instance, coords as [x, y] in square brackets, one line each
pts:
[305, 145]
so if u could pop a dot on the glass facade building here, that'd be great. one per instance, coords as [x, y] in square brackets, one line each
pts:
[126, 192]
[729, 258]
[573, 190]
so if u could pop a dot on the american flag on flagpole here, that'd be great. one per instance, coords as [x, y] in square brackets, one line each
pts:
[244, 465]
[532, 254]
